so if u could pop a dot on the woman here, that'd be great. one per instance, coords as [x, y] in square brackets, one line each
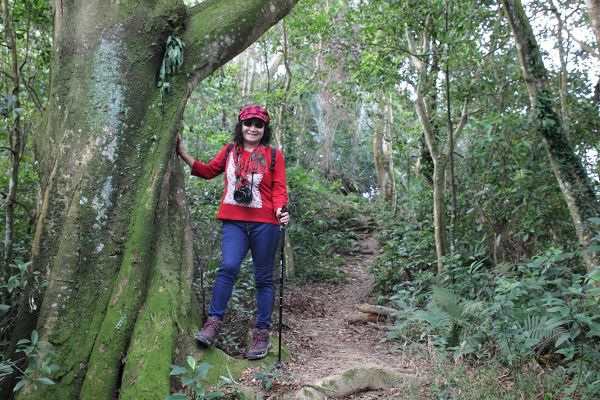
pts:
[251, 210]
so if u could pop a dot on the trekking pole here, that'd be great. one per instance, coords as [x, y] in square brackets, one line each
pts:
[281, 274]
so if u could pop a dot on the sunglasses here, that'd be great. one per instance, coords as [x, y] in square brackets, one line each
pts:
[257, 124]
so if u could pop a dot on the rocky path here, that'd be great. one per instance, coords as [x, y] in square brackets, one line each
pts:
[322, 343]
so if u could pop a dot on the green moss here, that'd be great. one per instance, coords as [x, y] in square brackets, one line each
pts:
[247, 394]
[349, 374]
[332, 385]
[150, 353]
[220, 363]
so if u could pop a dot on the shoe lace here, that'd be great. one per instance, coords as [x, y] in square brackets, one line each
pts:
[211, 327]
[259, 337]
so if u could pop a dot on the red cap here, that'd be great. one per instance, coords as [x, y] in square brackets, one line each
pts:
[254, 112]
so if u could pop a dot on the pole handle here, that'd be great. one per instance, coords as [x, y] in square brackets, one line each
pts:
[283, 209]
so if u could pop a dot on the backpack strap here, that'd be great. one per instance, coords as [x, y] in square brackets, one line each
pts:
[229, 147]
[273, 155]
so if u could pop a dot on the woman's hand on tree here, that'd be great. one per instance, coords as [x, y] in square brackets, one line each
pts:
[180, 148]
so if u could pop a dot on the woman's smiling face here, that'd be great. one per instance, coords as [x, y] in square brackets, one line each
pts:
[253, 131]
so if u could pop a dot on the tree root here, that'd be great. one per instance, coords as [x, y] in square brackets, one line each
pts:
[378, 310]
[353, 380]
[361, 318]
[371, 313]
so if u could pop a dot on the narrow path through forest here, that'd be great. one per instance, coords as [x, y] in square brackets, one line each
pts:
[322, 343]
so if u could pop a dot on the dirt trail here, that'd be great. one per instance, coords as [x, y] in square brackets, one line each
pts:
[320, 340]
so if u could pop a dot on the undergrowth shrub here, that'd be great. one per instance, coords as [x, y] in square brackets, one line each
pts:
[538, 310]
[324, 226]
[489, 379]
[543, 310]
[408, 262]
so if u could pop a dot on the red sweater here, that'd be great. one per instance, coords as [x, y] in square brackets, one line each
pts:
[269, 191]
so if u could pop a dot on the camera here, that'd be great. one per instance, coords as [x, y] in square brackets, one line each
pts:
[243, 194]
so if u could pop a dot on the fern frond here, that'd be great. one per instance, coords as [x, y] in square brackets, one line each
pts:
[437, 318]
[448, 301]
[539, 329]
[471, 307]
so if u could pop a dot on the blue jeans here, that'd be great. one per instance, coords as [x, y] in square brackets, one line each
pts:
[238, 237]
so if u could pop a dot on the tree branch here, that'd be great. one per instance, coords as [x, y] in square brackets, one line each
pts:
[8, 74]
[214, 37]
[423, 117]
[584, 46]
[7, 149]
[418, 63]
[464, 116]
[17, 202]
[563, 24]
[33, 95]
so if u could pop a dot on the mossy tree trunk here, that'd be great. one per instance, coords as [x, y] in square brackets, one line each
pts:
[113, 236]
[568, 170]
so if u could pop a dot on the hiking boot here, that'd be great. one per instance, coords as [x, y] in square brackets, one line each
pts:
[209, 332]
[259, 346]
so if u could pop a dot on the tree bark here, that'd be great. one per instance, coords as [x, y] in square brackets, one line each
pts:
[113, 235]
[563, 77]
[568, 170]
[593, 9]
[16, 140]
[439, 159]
[383, 156]
[327, 124]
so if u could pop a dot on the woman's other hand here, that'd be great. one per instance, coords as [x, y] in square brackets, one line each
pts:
[283, 216]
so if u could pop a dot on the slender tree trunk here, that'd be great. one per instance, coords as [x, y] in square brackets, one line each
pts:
[245, 82]
[440, 157]
[280, 133]
[570, 174]
[378, 157]
[440, 161]
[113, 237]
[439, 210]
[383, 156]
[562, 56]
[16, 139]
[327, 125]
[388, 153]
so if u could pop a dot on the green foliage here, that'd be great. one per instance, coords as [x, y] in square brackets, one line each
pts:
[171, 63]
[408, 253]
[490, 380]
[191, 377]
[13, 290]
[41, 366]
[17, 282]
[538, 310]
[268, 376]
[324, 228]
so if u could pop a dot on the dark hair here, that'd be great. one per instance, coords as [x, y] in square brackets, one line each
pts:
[238, 138]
